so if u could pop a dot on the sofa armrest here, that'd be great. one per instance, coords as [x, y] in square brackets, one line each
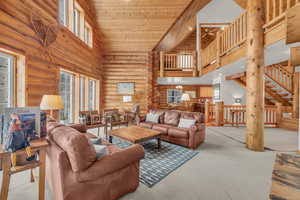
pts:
[112, 163]
[140, 119]
[79, 127]
[196, 135]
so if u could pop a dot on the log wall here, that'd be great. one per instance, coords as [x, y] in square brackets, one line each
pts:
[69, 52]
[128, 67]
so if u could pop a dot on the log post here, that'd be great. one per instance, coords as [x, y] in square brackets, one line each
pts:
[195, 71]
[255, 76]
[206, 111]
[219, 113]
[218, 50]
[278, 113]
[162, 63]
[296, 95]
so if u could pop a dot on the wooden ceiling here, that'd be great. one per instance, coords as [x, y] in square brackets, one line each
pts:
[136, 25]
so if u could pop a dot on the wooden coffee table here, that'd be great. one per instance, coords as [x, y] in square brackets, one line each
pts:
[136, 134]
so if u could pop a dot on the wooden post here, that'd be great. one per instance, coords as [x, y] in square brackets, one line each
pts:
[278, 113]
[218, 50]
[206, 112]
[162, 64]
[296, 95]
[219, 113]
[195, 71]
[255, 76]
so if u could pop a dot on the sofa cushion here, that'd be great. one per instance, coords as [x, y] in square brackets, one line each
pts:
[178, 132]
[186, 123]
[199, 117]
[151, 117]
[161, 114]
[172, 118]
[80, 151]
[146, 124]
[162, 127]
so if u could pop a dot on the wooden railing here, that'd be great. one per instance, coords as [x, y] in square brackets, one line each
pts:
[179, 61]
[234, 34]
[236, 114]
[210, 112]
[209, 54]
[281, 76]
[275, 10]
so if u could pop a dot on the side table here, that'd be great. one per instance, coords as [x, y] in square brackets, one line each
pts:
[39, 146]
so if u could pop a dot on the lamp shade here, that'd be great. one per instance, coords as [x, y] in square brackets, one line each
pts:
[51, 102]
[185, 97]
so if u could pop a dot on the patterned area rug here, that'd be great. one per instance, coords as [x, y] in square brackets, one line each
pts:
[158, 164]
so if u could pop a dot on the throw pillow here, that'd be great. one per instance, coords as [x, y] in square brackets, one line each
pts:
[101, 150]
[186, 123]
[152, 118]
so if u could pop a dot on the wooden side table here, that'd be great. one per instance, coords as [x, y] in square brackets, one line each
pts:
[36, 146]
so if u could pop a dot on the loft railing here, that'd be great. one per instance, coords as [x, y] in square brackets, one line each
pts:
[221, 114]
[186, 61]
[235, 34]
[275, 10]
[179, 61]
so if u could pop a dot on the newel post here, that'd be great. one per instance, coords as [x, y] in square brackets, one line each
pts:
[278, 113]
[162, 64]
[219, 109]
[195, 71]
[206, 112]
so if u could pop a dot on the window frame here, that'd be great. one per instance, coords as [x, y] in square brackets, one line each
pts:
[94, 94]
[175, 97]
[72, 96]
[82, 93]
[64, 21]
[12, 81]
[88, 34]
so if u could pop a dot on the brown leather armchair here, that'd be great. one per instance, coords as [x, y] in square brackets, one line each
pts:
[74, 172]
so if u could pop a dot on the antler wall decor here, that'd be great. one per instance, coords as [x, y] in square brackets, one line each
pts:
[46, 34]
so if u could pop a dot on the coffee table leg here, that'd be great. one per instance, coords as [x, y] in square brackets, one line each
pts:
[110, 139]
[158, 143]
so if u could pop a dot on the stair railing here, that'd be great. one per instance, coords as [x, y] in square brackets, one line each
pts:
[281, 76]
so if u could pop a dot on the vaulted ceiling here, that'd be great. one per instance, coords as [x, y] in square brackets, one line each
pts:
[136, 25]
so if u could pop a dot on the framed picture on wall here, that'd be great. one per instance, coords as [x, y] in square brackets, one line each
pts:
[125, 88]
[191, 93]
[217, 91]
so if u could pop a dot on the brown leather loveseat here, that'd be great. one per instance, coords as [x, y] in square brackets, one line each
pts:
[168, 124]
[74, 172]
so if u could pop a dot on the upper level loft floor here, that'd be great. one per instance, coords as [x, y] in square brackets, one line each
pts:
[222, 44]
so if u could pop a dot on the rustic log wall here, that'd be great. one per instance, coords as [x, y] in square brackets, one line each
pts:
[133, 67]
[68, 51]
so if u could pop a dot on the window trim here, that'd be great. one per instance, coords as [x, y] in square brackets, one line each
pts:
[168, 96]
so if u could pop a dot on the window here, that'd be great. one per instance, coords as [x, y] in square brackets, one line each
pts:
[82, 93]
[88, 34]
[63, 12]
[76, 20]
[66, 88]
[173, 95]
[92, 95]
[7, 80]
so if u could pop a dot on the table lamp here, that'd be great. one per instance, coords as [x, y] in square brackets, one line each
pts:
[185, 98]
[51, 102]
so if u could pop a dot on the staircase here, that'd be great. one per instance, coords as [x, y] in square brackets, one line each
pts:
[278, 84]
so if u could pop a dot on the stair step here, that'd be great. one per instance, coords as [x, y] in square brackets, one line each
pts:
[284, 95]
[270, 86]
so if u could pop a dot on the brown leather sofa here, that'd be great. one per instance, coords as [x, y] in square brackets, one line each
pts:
[74, 173]
[168, 124]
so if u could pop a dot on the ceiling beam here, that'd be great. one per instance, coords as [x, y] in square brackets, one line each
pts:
[182, 28]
